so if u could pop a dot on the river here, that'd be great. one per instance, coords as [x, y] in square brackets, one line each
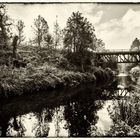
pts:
[77, 112]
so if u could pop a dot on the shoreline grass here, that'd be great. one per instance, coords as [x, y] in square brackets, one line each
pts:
[18, 81]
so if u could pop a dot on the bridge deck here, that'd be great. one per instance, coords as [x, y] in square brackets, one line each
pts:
[119, 56]
[117, 52]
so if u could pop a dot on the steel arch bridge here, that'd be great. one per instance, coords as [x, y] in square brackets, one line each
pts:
[119, 56]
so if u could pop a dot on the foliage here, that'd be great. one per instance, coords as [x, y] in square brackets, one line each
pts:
[75, 58]
[104, 76]
[49, 67]
[79, 38]
[123, 114]
[135, 73]
[5, 24]
[40, 29]
[135, 44]
[79, 33]
[31, 79]
[48, 41]
[121, 129]
[99, 45]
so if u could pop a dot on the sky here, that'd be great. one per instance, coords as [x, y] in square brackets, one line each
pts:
[116, 24]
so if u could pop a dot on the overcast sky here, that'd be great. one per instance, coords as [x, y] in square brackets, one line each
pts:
[116, 24]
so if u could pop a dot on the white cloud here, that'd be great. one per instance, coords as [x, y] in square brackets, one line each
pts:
[94, 19]
[97, 18]
[119, 33]
[131, 20]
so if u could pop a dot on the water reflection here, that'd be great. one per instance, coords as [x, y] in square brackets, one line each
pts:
[104, 123]
[73, 117]
[79, 114]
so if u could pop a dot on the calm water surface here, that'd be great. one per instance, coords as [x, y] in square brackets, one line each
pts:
[79, 114]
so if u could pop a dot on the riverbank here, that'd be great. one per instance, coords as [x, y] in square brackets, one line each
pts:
[28, 80]
[47, 70]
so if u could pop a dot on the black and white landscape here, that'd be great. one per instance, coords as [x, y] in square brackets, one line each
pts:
[69, 69]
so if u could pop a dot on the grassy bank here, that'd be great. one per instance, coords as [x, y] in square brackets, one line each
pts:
[46, 71]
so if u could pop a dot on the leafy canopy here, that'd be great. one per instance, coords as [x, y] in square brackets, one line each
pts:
[79, 33]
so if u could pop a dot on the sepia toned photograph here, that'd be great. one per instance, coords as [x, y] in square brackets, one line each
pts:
[69, 69]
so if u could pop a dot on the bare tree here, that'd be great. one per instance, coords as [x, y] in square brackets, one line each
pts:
[57, 34]
[20, 27]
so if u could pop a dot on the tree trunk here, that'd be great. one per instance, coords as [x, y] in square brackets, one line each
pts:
[15, 46]
[4, 37]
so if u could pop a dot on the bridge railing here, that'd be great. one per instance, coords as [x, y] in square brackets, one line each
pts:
[117, 50]
[113, 50]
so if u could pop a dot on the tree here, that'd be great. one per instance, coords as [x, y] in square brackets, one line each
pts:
[20, 26]
[79, 33]
[57, 34]
[40, 29]
[135, 44]
[79, 36]
[100, 45]
[5, 24]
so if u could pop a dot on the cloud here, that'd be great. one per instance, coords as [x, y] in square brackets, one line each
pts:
[98, 16]
[119, 33]
[95, 19]
[116, 28]
[131, 20]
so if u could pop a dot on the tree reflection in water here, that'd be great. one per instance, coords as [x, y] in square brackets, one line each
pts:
[41, 128]
[75, 116]
[16, 127]
[31, 124]
[81, 114]
[4, 124]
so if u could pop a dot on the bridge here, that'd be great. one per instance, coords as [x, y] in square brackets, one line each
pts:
[119, 56]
